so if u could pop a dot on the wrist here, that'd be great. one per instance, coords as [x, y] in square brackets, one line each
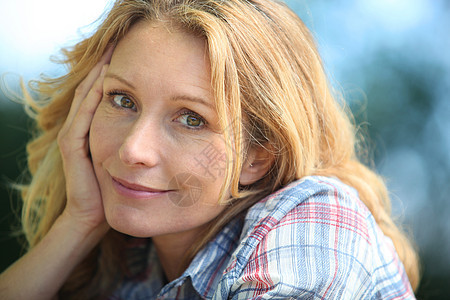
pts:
[43, 270]
[81, 226]
[85, 234]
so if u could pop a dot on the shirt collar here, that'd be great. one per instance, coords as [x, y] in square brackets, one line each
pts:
[208, 265]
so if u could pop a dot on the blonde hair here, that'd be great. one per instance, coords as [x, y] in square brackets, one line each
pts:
[266, 74]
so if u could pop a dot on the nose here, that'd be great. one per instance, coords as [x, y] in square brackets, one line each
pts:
[142, 145]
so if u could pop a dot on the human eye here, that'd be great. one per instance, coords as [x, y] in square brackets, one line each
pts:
[121, 100]
[191, 120]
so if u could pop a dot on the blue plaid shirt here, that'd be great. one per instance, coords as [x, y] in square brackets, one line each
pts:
[313, 239]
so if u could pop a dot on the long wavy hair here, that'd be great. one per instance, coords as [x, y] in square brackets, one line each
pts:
[270, 90]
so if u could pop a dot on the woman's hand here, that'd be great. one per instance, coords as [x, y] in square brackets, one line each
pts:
[43, 270]
[84, 203]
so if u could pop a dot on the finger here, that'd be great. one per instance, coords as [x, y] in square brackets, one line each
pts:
[106, 58]
[86, 84]
[84, 115]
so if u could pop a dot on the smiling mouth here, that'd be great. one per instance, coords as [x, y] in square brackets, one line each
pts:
[137, 191]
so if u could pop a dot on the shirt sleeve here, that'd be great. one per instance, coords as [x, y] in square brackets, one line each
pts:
[328, 247]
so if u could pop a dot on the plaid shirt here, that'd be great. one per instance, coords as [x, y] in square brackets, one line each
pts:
[313, 239]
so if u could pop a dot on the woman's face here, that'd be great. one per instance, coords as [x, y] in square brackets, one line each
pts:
[155, 142]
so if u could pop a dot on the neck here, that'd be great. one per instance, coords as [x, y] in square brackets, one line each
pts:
[171, 250]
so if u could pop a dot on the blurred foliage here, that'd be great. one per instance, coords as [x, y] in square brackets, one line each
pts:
[400, 102]
[14, 133]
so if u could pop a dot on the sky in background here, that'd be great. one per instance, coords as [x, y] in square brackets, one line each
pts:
[32, 31]
[352, 36]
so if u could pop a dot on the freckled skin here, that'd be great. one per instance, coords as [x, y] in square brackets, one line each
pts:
[151, 142]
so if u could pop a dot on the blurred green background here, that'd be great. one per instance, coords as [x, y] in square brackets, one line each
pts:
[389, 58]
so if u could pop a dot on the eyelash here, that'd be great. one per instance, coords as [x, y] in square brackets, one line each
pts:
[185, 112]
[194, 114]
[113, 93]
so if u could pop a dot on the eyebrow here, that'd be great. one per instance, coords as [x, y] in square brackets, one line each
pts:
[117, 77]
[175, 98]
[193, 99]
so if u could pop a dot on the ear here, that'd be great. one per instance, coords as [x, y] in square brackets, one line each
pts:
[258, 162]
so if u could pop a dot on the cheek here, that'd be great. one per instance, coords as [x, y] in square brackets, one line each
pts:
[101, 139]
[209, 166]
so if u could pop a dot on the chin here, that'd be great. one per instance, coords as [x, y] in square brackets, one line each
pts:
[130, 221]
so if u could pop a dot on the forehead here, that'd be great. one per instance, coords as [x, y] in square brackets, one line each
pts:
[163, 41]
[155, 52]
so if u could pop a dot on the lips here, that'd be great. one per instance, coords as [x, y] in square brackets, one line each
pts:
[132, 190]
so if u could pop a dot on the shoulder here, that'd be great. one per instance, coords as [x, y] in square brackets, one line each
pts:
[306, 193]
[319, 202]
[313, 238]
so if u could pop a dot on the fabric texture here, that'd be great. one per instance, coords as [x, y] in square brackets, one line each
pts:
[313, 239]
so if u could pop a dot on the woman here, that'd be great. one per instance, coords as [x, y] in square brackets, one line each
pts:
[194, 150]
